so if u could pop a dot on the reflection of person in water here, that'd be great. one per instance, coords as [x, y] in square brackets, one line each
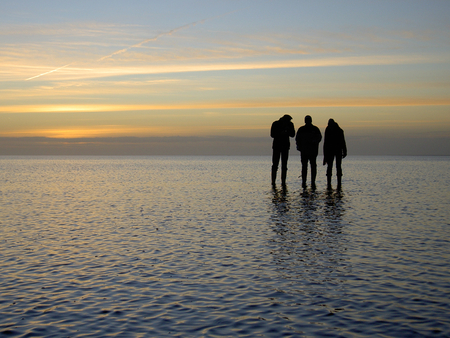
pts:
[307, 241]
[334, 206]
[280, 132]
[334, 147]
[308, 138]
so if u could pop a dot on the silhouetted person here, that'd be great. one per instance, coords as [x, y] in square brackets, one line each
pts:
[308, 138]
[280, 132]
[334, 147]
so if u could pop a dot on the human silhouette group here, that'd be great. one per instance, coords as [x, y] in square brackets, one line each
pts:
[307, 140]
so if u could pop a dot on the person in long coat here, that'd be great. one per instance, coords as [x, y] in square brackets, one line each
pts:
[334, 147]
[281, 131]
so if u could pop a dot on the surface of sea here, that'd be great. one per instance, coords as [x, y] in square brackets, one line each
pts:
[205, 247]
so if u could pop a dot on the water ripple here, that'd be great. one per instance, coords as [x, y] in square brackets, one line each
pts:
[203, 247]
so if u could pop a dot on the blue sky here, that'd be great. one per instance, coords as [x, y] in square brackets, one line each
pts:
[207, 71]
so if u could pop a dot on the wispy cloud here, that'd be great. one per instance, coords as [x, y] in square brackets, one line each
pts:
[170, 32]
[70, 29]
[231, 104]
[213, 47]
[72, 73]
[123, 50]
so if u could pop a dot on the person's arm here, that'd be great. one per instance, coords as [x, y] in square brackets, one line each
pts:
[291, 129]
[325, 147]
[298, 140]
[344, 146]
[318, 136]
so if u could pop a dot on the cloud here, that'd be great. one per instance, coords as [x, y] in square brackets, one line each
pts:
[170, 32]
[72, 73]
[231, 104]
[210, 46]
[72, 29]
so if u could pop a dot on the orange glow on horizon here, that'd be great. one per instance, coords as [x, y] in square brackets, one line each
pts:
[118, 131]
[275, 103]
[111, 131]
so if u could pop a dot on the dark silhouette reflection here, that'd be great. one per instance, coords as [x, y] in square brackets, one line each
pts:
[307, 139]
[281, 203]
[334, 147]
[280, 131]
[334, 205]
[308, 242]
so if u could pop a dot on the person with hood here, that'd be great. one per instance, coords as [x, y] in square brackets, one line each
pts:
[307, 139]
[334, 147]
[280, 131]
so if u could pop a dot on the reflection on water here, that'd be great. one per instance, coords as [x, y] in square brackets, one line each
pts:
[203, 247]
[334, 205]
[308, 206]
[308, 244]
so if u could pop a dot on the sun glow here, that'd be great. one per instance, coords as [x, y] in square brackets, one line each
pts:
[262, 103]
[92, 132]
[221, 71]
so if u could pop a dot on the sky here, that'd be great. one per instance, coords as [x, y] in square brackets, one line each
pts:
[209, 77]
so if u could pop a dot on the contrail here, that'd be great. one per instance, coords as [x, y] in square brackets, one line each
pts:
[153, 39]
[54, 70]
[142, 42]
[192, 24]
[133, 46]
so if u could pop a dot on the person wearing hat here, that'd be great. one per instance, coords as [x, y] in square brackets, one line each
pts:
[280, 132]
[307, 139]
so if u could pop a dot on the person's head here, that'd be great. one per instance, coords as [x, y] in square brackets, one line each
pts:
[331, 122]
[308, 119]
[286, 118]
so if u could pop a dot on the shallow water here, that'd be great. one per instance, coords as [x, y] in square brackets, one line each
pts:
[204, 247]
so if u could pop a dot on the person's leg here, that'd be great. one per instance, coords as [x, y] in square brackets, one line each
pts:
[304, 160]
[284, 161]
[339, 170]
[312, 161]
[275, 161]
[330, 161]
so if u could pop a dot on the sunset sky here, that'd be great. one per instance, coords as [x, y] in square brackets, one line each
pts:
[209, 77]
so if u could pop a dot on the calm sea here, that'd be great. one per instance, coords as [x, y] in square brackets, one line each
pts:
[205, 247]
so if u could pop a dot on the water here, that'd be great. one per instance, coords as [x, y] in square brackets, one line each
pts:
[204, 247]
